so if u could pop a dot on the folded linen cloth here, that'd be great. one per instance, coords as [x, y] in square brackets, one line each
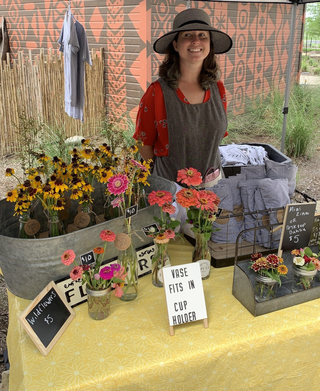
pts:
[288, 171]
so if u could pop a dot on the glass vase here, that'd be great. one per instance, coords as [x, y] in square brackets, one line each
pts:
[23, 219]
[265, 288]
[129, 260]
[98, 303]
[202, 255]
[159, 260]
[303, 279]
[54, 227]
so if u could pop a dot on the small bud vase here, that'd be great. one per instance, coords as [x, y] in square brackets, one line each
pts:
[129, 260]
[98, 303]
[303, 279]
[265, 288]
[202, 255]
[23, 219]
[109, 212]
[88, 210]
[54, 227]
[159, 260]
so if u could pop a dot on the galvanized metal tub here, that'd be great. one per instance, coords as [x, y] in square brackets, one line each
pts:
[28, 265]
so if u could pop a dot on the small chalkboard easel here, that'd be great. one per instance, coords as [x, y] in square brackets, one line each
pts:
[297, 226]
[46, 318]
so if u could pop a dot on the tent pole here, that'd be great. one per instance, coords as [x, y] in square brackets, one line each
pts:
[289, 67]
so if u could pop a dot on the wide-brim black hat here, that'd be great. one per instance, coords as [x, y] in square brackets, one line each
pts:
[189, 20]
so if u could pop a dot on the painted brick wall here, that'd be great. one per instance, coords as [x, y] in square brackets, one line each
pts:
[126, 29]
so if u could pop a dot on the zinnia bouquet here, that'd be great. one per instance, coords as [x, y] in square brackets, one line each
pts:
[201, 205]
[306, 264]
[166, 225]
[95, 277]
[270, 266]
[268, 269]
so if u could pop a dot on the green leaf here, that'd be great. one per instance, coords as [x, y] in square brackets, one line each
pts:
[308, 252]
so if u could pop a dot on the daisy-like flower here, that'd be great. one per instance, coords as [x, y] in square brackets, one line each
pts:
[161, 238]
[85, 141]
[10, 171]
[168, 208]
[59, 205]
[187, 197]
[282, 269]
[87, 153]
[273, 260]
[137, 164]
[160, 197]
[170, 233]
[68, 257]
[316, 263]
[58, 185]
[107, 235]
[105, 174]
[299, 261]
[12, 195]
[189, 176]
[116, 203]
[118, 184]
[295, 252]
[106, 273]
[76, 273]
[76, 194]
[204, 202]
[87, 187]
[255, 256]
[98, 250]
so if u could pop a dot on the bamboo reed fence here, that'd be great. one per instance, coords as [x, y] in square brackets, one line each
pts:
[34, 85]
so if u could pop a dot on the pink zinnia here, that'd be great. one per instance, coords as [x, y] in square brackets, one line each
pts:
[76, 273]
[116, 202]
[139, 165]
[118, 184]
[106, 273]
[107, 236]
[189, 176]
[160, 197]
[168, 208]
[68, 257]
[316, 263]
[170, 233]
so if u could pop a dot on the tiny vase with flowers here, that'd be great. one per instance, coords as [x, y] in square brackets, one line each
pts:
[99, 279]
[166, 226]
[201, 206]
[268, 269]
[305, 268]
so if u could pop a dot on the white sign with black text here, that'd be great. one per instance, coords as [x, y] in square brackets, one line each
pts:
[184, 294]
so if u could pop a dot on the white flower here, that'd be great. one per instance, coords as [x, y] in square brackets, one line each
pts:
[299, 261]
[172, 219]
[152, 229]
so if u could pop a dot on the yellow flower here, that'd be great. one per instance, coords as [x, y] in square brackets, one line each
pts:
[87, 187]
[85, 141]
[75, 194]
[105, 175]
[12, 196]
[43, 158]
[87, 153]
[9, 171]
[282, 269]
[58, 185]
[36, 182]
[59, 205]
[161, 238]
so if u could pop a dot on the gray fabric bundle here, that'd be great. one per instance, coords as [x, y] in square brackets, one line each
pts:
[288, 171]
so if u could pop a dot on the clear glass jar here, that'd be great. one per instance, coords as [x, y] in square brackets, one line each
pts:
[202, 255]
[109, 212]
[129, 260]
[303, 279]
[98, 303]
[159, 260]
[265, 288]
[88, 210]
[54, 227]
[23, 219]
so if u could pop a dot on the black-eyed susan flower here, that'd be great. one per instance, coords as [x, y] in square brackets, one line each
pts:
[87, 187]
[10, 171]
[12, 195]
[87, 153]
[58, 185]
[59, 205]
[76, 194]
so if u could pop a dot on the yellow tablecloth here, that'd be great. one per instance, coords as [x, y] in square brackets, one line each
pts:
[133, 351]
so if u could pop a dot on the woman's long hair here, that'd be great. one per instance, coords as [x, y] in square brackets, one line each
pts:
[170, 68]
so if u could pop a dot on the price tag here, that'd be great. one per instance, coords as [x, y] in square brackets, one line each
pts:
[82, 220]
[132, 211]
[122, 241]
[87, 258]
[32, 227]
[151, 229]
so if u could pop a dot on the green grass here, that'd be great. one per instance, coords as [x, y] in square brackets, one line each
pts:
[265, 118]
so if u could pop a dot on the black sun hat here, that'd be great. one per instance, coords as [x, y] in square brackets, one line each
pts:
[189, 20]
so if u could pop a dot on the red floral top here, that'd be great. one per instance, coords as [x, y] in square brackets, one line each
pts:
[151, 122]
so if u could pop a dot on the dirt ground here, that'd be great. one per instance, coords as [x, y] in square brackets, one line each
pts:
[308, 182]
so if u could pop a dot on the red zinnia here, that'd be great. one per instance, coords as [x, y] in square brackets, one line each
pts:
[204, 201]
[160, 197]
[189, 176]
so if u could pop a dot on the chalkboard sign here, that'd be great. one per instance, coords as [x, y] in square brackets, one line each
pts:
[132, 211]
[297, 226]
[46, 318]
[315, 232]
[87, 258]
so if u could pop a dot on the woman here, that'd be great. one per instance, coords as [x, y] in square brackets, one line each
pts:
[182, 116]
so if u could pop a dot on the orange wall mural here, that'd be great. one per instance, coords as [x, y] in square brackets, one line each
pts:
[127, 29]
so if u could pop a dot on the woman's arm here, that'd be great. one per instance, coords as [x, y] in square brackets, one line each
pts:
[146, 151]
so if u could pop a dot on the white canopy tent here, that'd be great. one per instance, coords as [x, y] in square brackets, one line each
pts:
[295, 4]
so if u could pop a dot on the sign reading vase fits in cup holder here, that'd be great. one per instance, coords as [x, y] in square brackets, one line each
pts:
[46, 318]
[184, 295]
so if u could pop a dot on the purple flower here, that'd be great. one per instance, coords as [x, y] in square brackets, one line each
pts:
[115, 267]
[106, 273]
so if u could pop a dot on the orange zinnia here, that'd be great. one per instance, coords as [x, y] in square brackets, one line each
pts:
[189, 176]
[187, 197]
[98, 250]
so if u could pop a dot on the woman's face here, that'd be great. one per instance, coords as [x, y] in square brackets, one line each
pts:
[193, 46]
